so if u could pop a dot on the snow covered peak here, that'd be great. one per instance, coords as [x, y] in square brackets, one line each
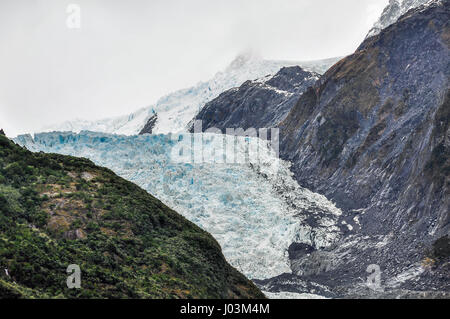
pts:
[174, 111]
[394, 10]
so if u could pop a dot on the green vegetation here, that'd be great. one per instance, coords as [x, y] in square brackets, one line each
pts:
[58, 210]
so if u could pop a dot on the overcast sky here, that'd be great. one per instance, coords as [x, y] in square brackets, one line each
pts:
[129, 53]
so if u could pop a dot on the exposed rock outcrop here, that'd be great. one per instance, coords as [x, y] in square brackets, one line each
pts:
[257, 104]
[148, 127]
[372, 135]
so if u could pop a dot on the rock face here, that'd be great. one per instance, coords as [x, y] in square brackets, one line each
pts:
[377, 123]
[373, 135]
[257, 104]
[148, 127]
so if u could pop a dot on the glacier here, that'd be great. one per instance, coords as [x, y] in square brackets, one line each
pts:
[255, 209]
[177, 109]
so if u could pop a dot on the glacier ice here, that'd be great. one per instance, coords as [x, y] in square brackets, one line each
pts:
[177, 109]
[255, 210]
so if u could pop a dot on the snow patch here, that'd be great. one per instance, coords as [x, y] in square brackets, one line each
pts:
[291, 295]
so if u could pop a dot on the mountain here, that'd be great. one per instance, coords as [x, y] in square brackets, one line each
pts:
[261, 103]
[255, 209]
[172, 113]
[373, 136]
[394, 10]
[58, 210]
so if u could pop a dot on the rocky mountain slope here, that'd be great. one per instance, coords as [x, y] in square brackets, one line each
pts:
[58, 210]
[261, 103]
[372, 135]
[172, 113]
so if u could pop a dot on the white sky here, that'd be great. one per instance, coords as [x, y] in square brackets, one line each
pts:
[128, 53]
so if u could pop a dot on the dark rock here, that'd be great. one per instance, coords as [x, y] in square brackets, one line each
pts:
[148, 127]
[2, 132]
[441, 247]
[373, 136]
[75, 234]
[257, 104]
[298, 250]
